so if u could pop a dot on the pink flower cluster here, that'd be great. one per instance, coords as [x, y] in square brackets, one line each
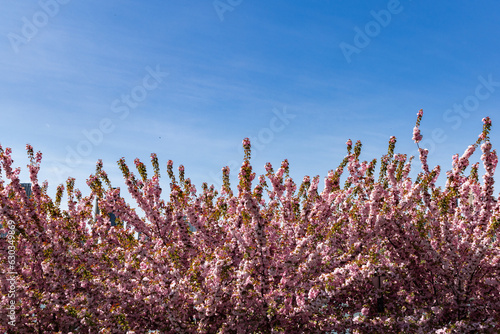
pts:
[417, 137]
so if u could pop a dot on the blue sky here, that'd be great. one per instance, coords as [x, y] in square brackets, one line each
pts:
[89, 80]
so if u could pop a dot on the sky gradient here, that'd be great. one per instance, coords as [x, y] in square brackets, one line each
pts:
[82, 81]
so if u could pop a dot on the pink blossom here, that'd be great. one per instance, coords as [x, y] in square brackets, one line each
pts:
[417, 137]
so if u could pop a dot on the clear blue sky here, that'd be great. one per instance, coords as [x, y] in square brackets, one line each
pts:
[297, 77]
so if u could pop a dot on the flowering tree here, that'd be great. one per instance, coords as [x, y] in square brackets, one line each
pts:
[439, 247]
[273, 257]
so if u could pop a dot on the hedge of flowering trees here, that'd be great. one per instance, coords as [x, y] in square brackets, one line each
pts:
[272, 257]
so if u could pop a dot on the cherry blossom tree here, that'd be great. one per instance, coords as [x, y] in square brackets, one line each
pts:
[273, 256]
[439, 247]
